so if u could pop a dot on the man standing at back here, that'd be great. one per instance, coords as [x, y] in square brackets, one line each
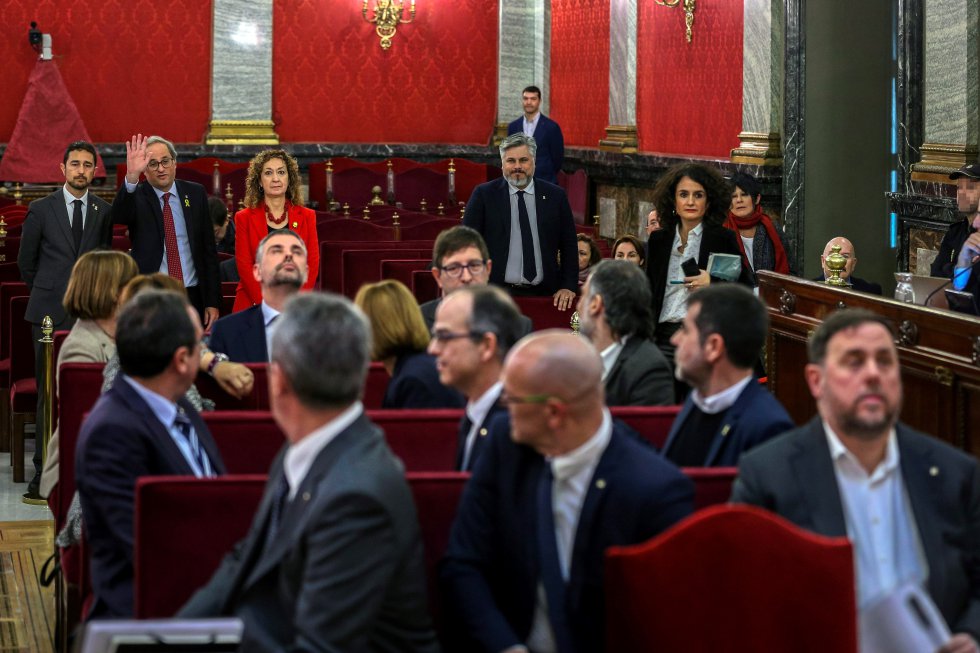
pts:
[546, 132]
[528, 227]
[169, 223]
[57, 230]
[333, 560]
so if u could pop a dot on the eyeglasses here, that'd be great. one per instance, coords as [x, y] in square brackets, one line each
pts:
[165, 162]
[455, 270]
[442, 337]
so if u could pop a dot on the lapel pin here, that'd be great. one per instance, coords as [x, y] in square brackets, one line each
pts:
[725, 429]
[295, 224]
[483, 433]
[601, 484]
[187, 202]
[933, 471]
[95, 206]
[306, 496]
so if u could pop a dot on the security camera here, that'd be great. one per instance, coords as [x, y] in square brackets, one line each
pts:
[34, 37]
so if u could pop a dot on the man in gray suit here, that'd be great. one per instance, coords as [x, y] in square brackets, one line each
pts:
[57, 230]
[333, 560]
[909, 502]
[614, 314]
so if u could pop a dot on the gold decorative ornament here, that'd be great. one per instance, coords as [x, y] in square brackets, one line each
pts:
[943, 375]
[836, 264]
[451, 180]
[387, 17]
[908, 334]
[441, 210]
[376, 196]
[688, 14]
[574, 322]
[367, 212]
[787, 302]
[329, 177]
[346, 209]
[423, 206]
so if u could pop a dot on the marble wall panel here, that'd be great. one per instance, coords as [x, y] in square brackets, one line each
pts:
[241, 65]
[622, 62]
[762, 63]
[524, 54]
[952, 88]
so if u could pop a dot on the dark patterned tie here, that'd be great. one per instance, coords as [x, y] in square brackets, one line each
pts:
[276, 509]
[183, 424]
[527, 239]
[76, 224]
[465, 425]
[174, 268]
[551, 578]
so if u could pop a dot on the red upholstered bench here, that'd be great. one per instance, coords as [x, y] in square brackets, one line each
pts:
[375, 386]
[23, 385]
[651, 422]
[248, 440]
[80, 385]
[186, 525]
[402, 269]
[424, 439]
[361, 266]
[431, 229]
[543, 313]
[331, 260]
[732, 578]
[8, 290]
[712, 485]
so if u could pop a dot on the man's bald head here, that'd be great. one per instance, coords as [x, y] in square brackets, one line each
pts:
[553, 382]
[846, 250]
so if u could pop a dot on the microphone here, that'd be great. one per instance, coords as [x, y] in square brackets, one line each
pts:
[967, 270]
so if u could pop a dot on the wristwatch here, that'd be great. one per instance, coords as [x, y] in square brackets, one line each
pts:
[218, 358]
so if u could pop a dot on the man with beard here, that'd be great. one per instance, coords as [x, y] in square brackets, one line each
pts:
[614, 314]
[57, 230]
[547, 133]
[528, 227]
[727, 412]
[909, 503]
[280, 268]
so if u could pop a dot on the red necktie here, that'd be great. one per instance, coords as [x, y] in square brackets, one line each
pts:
[170, 241]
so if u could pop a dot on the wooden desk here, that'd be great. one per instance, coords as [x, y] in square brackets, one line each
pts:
[939, 352]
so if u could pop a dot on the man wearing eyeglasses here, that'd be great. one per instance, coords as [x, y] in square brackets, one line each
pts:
[528, 226]
[475, 328]
[523, 571]
[169, 223]
[847, 251]
[459, 260]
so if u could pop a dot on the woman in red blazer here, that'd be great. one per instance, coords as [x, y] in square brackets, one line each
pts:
[273, 201]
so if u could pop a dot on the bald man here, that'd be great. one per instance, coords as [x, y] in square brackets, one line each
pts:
[847, 251]
[523, 571]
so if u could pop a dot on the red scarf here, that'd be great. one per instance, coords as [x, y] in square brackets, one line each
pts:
[736, 223]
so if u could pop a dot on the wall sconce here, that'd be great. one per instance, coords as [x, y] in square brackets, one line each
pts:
[387, 16]
[688, 14]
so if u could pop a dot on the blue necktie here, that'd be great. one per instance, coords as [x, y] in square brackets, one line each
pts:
[200, 456]
[551, 578]
[527, 239]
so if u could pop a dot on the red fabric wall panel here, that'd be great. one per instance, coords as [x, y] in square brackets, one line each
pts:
[580, 69]
[129, 67]
[437, 83]
[689, 95]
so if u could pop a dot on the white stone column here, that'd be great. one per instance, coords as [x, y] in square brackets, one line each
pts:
[241, 73]
[523, 56]
[762, 83]
[621, 133]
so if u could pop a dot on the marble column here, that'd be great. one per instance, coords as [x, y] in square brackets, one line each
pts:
[621, 133]
[241, 73]
[523, 57]
[951, 98]
[762, 83]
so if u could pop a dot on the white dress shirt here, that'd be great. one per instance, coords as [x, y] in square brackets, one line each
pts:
[476, 411]
[675, 294]
[514, 272]
[531, 125]
[268, 315]
[69, 203]
[177, 205]
[610, 355]
[720, 400]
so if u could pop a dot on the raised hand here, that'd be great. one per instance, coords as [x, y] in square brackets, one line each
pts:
[136, 158]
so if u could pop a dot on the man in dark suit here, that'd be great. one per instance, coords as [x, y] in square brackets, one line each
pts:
[333, 561]
[546, 132]
[961, 246]
[728, 412]
[280, 268]
[143, 426]
[909, 502]
[169, 223]
[847, 251]
[460, 259]
[524, 566]
[614, 314]
[532, 242]
[475, 327]
[57, 230]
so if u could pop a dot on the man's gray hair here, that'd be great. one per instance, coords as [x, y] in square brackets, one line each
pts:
[160, 139]
[626, 297]
[322, 343]
[516, 140]
[260, 250]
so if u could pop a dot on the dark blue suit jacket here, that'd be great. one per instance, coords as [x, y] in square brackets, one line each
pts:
[793, 476]
[241, 336]
[488, 211]
[121, 441]
[415, 384]
[756, 416]
[491, 569]
[551, 146]
[483, 432]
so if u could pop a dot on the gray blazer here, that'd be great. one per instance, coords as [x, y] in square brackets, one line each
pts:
[86, 343]
[793, 476]
[640, 376]
[47, 250]
[345, 569]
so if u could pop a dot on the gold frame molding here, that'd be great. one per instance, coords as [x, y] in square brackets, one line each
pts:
[620, 138]
[938, 160]
[242, 132]
[759, 149]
